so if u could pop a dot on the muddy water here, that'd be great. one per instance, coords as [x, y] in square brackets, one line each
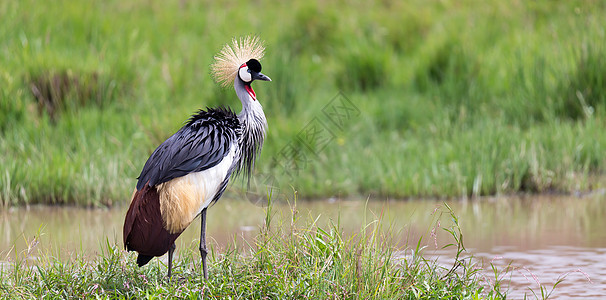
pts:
[538, 240]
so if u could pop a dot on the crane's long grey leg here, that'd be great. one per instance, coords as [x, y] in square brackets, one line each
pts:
[203, 250]
[171, 250]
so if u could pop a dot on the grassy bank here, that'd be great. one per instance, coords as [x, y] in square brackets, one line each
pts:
[293, 260]
[450, 99]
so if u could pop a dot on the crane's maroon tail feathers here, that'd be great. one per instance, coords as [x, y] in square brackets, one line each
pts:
[142, 260]
[144, 230]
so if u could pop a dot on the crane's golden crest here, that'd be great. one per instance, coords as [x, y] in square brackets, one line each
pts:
[228, 61]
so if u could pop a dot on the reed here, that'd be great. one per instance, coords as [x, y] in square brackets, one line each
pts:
[454, 100]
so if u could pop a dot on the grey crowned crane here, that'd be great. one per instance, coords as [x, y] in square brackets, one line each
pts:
[190, 170]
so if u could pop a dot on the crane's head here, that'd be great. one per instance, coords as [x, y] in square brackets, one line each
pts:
[239, 61]
[250, 71]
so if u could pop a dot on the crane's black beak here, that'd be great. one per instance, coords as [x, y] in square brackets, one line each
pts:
[260, 76]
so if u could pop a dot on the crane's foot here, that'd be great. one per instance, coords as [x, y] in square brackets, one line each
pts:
[203, 253]
[171, 251]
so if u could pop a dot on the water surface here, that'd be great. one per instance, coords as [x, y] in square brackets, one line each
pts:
[540, 239]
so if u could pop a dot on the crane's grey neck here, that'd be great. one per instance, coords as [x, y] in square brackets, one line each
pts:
[253, 125]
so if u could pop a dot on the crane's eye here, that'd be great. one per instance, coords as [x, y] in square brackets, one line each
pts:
[244, 74]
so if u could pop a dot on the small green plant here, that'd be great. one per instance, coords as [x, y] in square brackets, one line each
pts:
[363, 68]
[312, 30]
[584, 93]
[59, 91]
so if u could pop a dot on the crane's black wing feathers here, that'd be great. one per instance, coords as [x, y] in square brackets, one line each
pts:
[200, 144]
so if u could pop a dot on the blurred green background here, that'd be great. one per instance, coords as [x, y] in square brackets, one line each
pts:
[455, 98]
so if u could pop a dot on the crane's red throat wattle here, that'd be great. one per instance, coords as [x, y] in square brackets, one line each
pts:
[250, 92]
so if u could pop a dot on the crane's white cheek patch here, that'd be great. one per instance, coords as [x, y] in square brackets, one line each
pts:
[183, 198]
[245, 75]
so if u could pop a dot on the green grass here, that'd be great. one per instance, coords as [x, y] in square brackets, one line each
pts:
[294, 259]
[456, 99]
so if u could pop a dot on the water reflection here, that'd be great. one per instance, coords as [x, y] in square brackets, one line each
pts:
[541, 237]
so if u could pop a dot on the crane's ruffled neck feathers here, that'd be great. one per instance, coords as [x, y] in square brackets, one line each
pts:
[231, 57]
